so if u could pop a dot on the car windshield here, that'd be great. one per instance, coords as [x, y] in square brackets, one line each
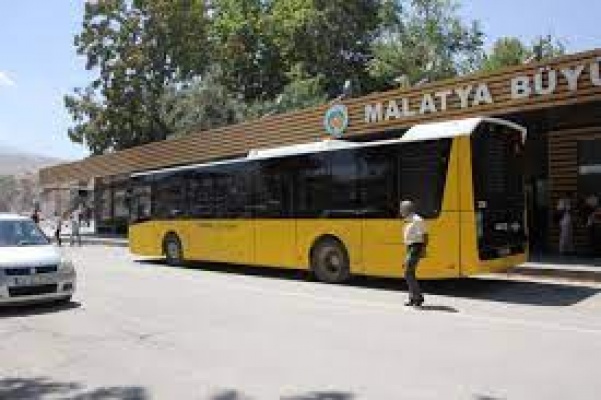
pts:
[21, 233]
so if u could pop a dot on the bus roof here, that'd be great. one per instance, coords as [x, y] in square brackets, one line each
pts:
[454, 128]
[421, 132]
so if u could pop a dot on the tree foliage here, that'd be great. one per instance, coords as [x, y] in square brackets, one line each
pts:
[507, 51]
[329, 39]
[138, 48]
[511, 51]
[247, 56]
[427, 41]
[203, 103]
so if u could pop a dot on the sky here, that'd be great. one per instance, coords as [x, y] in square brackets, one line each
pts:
[38, 64]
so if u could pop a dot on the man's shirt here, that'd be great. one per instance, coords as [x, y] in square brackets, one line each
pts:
[415, 230]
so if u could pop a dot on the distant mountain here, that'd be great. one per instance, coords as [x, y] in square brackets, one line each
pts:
[15, 162]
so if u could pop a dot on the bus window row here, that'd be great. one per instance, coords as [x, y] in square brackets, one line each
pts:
[367, 182]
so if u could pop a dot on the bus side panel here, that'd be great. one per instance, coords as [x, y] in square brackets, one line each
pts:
[348, 231]
[383, 249]
[442, 258]
[147, 238]
[236, 240]
[442, 253]
[229, 241]
[275, 243]
[469, 240]
[143, 240]
[203, 241]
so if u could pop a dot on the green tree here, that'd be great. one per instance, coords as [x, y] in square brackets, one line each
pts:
[330, 39]
[510, 51]
[138, 48]
[200, 104]
[546, 47]
[250, 62]
[301, 92]
[427, 41]
[506, 52]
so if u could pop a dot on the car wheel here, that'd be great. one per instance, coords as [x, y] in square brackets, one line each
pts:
[172, 248]
[330, 261]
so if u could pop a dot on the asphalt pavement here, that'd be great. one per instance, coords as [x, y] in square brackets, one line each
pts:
[142, 330]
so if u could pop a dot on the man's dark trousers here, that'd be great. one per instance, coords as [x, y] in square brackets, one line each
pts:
[414, 253]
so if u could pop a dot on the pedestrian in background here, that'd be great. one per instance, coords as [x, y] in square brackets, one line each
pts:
[414, 237]
[36, 216]
[75, 228]
[564, 219]
[57, 229]
[566, 233]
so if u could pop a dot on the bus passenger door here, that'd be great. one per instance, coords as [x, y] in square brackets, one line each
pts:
[275, 229]
[383, 250]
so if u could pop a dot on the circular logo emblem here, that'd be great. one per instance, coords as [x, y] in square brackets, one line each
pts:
[336, 120]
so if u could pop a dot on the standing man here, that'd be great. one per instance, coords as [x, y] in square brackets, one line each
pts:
[36, 216]
[414, 237]
[57, 229]
[75, 228]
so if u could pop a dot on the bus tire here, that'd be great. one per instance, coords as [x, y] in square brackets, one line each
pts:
[172, 247]
[330, 261]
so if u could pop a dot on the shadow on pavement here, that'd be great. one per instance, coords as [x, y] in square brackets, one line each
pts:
[550, 294]
[326, 395]
[329, 395]
[25, 310]
[447, 309]
[41, 388]
[538, 293]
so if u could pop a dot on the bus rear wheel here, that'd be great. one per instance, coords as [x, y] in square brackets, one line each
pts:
[172, 247]
[330, 261]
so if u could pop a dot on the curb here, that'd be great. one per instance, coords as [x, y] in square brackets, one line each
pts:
[582, 275]
[97, 242]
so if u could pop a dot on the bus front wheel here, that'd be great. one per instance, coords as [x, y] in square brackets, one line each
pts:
[172, 248]
[330, 261]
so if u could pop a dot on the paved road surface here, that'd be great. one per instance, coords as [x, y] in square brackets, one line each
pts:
[141, 330]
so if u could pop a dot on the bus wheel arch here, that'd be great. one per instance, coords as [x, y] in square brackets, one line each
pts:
[173, 249]
[329, 259]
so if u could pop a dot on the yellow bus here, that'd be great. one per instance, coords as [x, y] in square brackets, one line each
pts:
[331, 207]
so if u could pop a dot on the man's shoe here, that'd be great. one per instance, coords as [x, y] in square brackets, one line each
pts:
[418, 303]
[410, 303]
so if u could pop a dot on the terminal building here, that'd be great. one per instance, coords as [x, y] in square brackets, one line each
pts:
[558, 101]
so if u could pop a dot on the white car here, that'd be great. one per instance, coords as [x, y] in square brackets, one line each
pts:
[31, 268]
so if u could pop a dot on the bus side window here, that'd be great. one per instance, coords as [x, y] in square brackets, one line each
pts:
[169, 200]
[377, 180]
[140, 204]
[239, 193]
[201, 194]
[423, 169]
[313, 188]
[344, 192]
[272, 189]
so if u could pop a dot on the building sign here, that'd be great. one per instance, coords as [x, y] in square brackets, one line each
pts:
[542, 83]
[336, 120]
